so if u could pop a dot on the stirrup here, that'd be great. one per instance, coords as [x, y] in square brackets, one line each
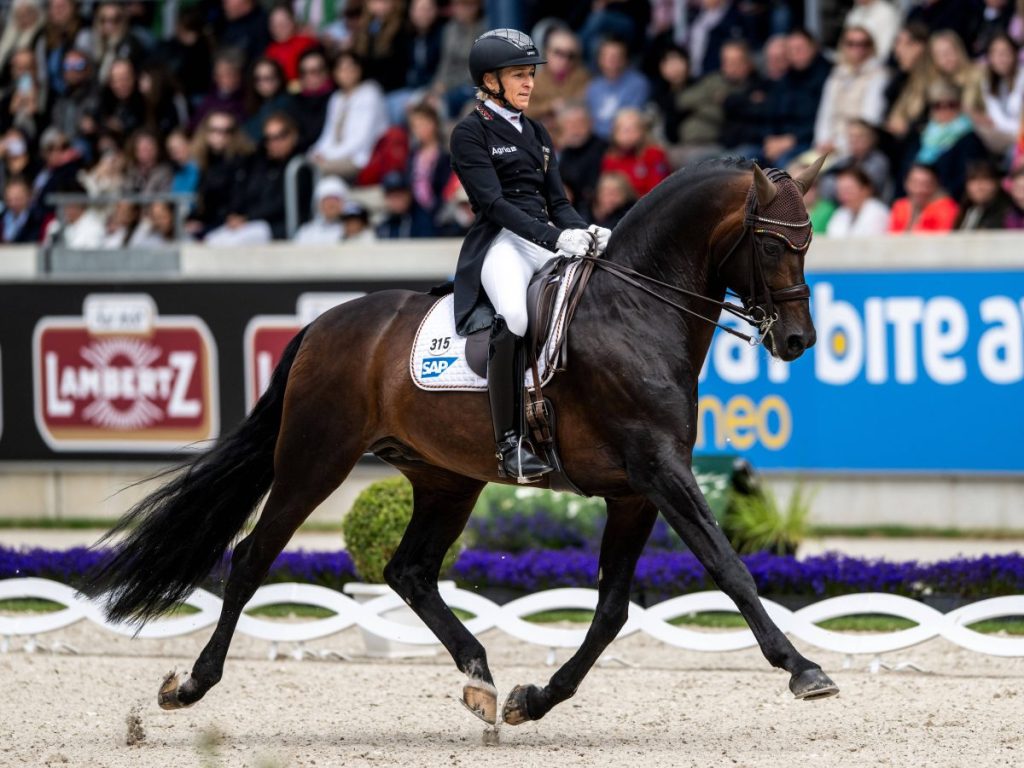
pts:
[512, 448]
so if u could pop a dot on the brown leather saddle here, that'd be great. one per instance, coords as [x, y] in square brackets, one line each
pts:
[541, 305]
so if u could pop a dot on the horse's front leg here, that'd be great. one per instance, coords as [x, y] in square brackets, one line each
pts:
[629, 524]
[669, 483]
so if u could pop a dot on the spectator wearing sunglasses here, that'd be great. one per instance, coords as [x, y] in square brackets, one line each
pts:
[562, 80]
[948, 142]
[221, 152]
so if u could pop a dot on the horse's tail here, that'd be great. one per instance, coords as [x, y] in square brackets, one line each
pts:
[179, 532]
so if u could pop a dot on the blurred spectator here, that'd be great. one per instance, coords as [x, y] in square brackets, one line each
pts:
[701, 107]
[960, 15]
[156, 228]
[774, 59]
[381, 41]
[23, 26]
[926, 208]
[670, 77]
[863, 152]
[633, 153]
[429, 166]
[106, 177]
[860, 212]
[399, 221]
[243, 25]
[995, 20]
[166, 106]
[64, 31]
[318, 16]
[948, 141]
[309, 105]
[617, 86]
[83, 227]
[287, 41]
[356, 222]
[121, 225]
[716, 22]
[424, 57]
[19, 223]
[613, 198]
[257, 210]
[581, 153]
[185, 171]
[22, 103]
[16, 158]
[985, 204]
[451, 82]
[562, 79]
[122, 107]
[952, 65]
[188, 55]
[76, 110]
[625, 20]
[327, 226]
[854, 89]
[356, 119]
[113, 40]
[880, 19]
[266, 93]
[793, 101]
[221, 151]
[456, 215]
[226, 94]
[1002, 91]
[61, 164]
[1015, 216]
[146, 173]
[744, 112]
[907, 92]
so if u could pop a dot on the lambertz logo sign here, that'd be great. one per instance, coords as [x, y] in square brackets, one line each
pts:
[120, 376]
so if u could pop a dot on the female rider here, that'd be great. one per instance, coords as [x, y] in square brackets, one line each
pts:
[507, 165]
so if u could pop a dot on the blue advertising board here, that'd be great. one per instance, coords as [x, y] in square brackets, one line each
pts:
[912, 372]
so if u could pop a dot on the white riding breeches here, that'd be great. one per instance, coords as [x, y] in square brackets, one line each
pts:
[508, 266]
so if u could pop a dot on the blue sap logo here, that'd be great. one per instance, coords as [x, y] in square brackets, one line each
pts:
[433, 367]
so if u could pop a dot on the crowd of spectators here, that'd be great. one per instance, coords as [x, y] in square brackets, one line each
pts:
[918, 104]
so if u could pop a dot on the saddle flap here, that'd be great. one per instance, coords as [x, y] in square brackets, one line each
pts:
[476, 351]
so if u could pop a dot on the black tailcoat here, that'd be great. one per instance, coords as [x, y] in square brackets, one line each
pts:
[512, 182]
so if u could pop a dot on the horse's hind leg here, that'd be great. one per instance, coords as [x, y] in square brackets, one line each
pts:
[629, 525]
[442, 502]
[314, 454]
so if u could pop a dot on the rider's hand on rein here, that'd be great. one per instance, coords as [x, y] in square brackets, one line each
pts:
[576, 242]
[601, 235]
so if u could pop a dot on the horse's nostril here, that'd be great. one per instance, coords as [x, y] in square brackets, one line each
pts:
[795, 343]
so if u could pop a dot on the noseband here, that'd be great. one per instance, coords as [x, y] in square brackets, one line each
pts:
[757, 309]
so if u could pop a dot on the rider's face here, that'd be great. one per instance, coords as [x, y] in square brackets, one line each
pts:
[518, 82]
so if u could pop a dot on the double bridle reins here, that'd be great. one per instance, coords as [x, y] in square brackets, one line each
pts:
[758, 309]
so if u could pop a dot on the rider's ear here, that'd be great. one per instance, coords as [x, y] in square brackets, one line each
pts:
[764, 187]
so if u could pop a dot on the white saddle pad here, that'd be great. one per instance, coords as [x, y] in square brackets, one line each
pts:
[438, 359]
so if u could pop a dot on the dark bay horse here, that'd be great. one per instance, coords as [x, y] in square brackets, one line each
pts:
[627, 409]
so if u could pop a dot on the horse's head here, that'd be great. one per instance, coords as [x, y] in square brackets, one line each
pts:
[765, 267]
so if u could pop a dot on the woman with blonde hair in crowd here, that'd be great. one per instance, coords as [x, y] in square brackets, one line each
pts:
[22, 27]
[562, 80]
[953, 65]
[147, 172]
[633, 153]
[907, 93]
[220, 149]
[112, 39]
[381, 41]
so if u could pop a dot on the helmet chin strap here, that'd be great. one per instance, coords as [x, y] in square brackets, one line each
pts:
[500, 95]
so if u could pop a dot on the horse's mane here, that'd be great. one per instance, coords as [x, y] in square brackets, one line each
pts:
[677, 186]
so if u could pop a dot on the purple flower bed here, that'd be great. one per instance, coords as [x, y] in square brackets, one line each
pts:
[658, 573]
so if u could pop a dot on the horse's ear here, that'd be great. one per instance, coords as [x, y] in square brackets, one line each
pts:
[764, 187]
[806, 179]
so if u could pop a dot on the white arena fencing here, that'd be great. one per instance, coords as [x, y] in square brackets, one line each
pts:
[487, 615]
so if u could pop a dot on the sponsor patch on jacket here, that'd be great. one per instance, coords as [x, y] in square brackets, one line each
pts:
[547, 157]
[503, 150]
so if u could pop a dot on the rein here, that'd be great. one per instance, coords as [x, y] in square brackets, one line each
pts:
[754, 311]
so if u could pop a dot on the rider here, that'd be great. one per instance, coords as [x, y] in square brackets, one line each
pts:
[507, 165]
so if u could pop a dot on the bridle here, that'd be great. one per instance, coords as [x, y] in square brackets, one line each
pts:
[759, 308]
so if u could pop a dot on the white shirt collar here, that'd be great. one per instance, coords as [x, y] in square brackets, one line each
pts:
[515, 118]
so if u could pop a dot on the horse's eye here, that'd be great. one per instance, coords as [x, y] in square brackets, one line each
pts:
[773, 248]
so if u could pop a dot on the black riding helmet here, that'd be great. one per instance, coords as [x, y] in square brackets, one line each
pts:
[497, 49]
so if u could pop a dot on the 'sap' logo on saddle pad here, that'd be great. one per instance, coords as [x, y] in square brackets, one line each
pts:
[435, 366]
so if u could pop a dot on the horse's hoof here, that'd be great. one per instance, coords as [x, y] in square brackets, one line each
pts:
[812, 684]
[481, 699]
[168, 698]
[516, 710]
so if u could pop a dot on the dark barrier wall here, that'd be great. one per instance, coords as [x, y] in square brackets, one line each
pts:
[137, 370]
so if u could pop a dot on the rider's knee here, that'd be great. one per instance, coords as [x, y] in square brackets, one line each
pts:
[516, 320]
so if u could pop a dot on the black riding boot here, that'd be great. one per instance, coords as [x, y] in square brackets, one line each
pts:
[506, 366]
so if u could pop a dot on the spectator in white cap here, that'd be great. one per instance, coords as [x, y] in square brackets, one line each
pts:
[327, 226]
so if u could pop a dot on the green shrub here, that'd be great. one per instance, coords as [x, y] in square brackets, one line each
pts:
[754, 522]
[374, 526]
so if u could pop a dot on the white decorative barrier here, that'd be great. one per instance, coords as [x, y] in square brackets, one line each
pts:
[487, 615]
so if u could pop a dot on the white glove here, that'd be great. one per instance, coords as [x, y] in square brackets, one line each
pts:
[601, 234]
[575, 242]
